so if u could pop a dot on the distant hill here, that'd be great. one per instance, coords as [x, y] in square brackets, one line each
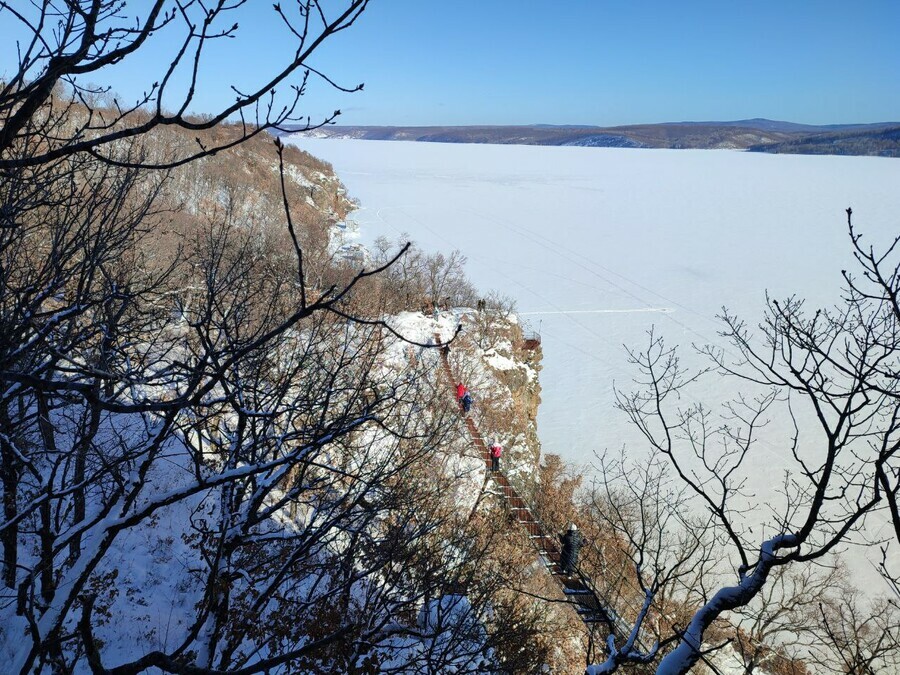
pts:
[881, 142]
[760, 135]
[788, 127]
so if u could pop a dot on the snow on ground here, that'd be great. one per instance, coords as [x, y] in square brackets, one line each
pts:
[499, 361]
[149, 583]
[596, 245]
[728, 662]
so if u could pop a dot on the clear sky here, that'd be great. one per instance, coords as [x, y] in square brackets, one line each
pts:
[602, 62]
[623, 61]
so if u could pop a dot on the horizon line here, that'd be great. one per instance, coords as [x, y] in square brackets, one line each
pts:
[630, 124]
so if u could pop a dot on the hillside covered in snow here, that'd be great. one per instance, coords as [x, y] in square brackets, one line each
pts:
[214, 460]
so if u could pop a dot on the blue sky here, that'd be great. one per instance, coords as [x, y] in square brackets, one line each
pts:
[620, 62]
[579, 62]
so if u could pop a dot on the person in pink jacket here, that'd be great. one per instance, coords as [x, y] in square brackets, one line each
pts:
[496, 450]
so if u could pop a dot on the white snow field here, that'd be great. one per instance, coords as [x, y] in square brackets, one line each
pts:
[596, 245]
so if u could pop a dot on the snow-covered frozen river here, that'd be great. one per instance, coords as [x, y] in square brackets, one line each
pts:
[598, 244]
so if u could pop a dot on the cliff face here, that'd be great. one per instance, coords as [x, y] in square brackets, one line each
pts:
[501, 369]
[491, 357]
[242, 186]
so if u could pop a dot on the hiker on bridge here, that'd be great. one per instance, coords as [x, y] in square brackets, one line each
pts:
[572, 541]
[463, 397]
[496, 450]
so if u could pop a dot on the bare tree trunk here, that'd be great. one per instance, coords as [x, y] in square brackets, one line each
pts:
[47, 534]
[10, 467]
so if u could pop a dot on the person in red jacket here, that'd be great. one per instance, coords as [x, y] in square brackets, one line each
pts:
[496, 450]
[463, 397]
